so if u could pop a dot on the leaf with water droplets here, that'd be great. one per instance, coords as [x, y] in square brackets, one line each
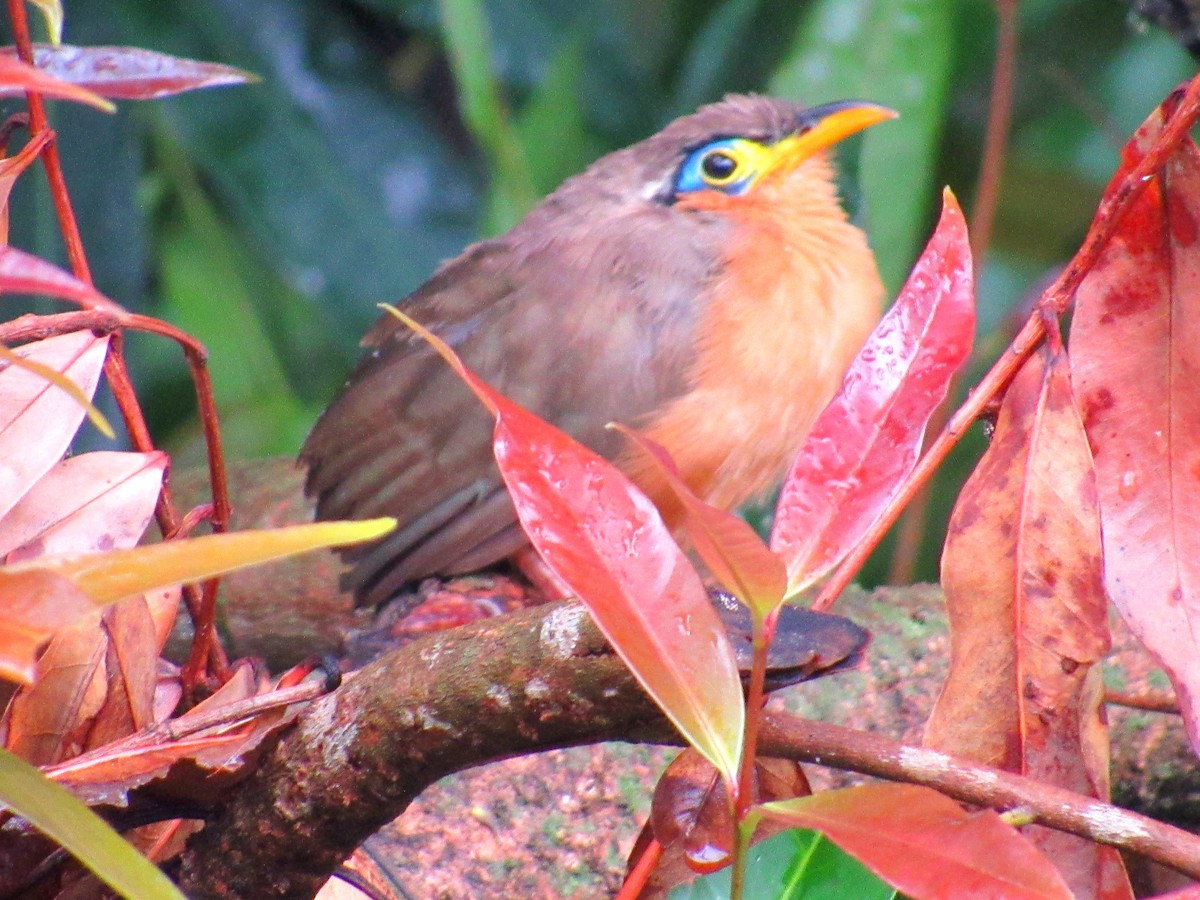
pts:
[869, 436]
[607, 542]
[1135, 365]
[732, 550]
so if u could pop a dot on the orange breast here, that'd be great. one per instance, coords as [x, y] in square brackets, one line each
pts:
[798, 295]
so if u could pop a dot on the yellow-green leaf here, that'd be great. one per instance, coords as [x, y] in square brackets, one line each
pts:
[106, 577]
[55, 812]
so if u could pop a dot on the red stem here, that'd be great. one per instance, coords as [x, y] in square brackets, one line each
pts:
[635, 881]
[207, 654]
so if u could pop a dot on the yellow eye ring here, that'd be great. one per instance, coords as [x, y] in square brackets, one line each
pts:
[719, 167]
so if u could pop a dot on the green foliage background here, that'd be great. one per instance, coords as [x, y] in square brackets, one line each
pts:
[387, 134]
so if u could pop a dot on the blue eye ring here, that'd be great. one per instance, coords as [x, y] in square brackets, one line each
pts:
[720, 165]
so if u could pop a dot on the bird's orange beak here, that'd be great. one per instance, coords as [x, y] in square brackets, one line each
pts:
[822, 127]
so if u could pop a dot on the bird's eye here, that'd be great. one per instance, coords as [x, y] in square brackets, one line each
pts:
[718, 167]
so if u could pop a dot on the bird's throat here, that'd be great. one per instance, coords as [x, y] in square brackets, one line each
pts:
[797, 297]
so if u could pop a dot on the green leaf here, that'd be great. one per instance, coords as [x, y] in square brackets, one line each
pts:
[469, 43]
[894, 52]
[792, 865]
[552, 127]
[58, 814]
[207, 293]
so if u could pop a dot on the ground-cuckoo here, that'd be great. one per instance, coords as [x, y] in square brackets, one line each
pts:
[703, 285]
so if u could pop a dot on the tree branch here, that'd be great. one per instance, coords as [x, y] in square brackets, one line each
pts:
[534, 680]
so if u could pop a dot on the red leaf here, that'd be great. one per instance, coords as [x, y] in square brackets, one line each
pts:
[869, 436]
[38, 419]
[11, 168]
[23, 273]
[86, 504]
[1135, 361]
[34, 605]
[17, 77]
[606, 541]
[730, 548]
[1028, 627]
[130, 73]
[923, 843]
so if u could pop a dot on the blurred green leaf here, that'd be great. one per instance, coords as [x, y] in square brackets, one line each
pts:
[206, 294]
[794, 865]
[552, 126]
[58, 814]
[895, 52]
[469, 44]
[340, 181]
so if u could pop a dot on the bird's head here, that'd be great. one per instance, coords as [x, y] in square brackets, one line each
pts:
[734, 165]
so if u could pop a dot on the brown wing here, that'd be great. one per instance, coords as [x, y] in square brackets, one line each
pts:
[587, 324]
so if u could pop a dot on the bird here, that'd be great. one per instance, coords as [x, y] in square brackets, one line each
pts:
[704, 286]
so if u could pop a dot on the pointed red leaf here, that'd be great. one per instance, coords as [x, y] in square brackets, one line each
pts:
[39, 419]
[923, 843]
[23, 273]
[869, 436]
[1029, 627]
[1135, 362]
[130, 73]
[606, 541]
[11, 168]
[17, 77]
[730, 548]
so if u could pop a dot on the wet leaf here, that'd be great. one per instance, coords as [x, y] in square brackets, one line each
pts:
[131, 73]
[1028, 625]
[52, 14]
[869, 436]
[1135, 361]
[38, 419]
[16, 78]
[923, 843]
[86, 504]
[52, 810]
[606, 541]
[192, 767]
[729, 547]
[796, 864]
[690, 815]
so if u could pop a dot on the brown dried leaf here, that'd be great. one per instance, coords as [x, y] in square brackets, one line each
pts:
[33, 605]
[48, 720]
[1027, 610]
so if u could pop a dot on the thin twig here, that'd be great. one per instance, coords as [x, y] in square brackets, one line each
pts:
[870, 754]
[1149, 700]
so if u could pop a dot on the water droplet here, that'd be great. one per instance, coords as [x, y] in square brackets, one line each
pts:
[706, 858]
[1129, 485]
